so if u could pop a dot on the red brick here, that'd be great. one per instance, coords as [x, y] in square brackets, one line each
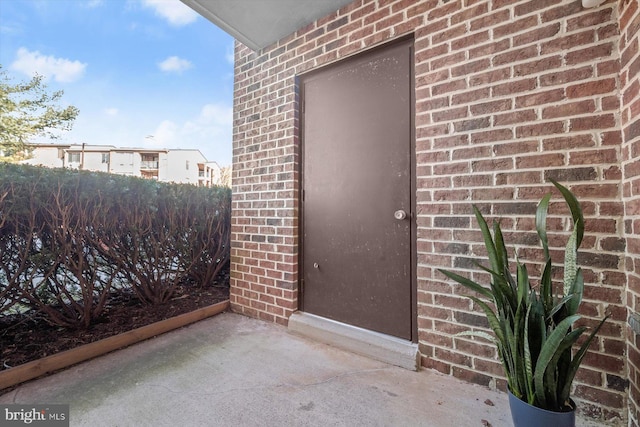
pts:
[451, 141]
[492, 165]
[490, 77]
[561, 11]
[590, 19]
[514, 27]
[562, 44]
[519, 116]
[599, 122]
[569, 109]
[516, 55]
[449, 33]
[447, 61]
[589, 54]
[489, 49]
[538, 34]
[420, 8]
[471, 376]
[593, 157]
[602, 397]
[514, 87]
[538, 129]
[492, 136]
[528, 7]
[540, 98]
[438, 365]
[445, 10]
[541, 161]
[470, 96]
[491, 107]
[449, 114]
[537, 66]
[489, 20]
[502, 105]
[389, 22]
[470, 40]
[408, 26]
[568, 76]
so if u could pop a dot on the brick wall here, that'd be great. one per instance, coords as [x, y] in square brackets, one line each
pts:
[629, 14]
[508, 94]
[264, 252]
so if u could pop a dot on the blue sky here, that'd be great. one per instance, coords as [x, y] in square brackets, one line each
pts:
[144, 73]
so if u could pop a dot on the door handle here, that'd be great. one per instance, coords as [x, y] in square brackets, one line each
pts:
[400, 214]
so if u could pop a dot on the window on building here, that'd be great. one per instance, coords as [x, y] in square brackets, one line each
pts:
[105, 157]
[74, 157]
[149, 160]
[187, 165]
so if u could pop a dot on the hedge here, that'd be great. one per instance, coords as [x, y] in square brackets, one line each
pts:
[69, 238]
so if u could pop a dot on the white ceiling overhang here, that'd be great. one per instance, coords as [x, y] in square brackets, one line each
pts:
[259, 23]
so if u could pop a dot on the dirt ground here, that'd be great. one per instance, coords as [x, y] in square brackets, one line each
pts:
[28, 337]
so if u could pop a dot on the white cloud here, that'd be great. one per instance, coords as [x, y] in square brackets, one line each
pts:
[62, 70]
[10, 28]
[210, 131]
[174, 11]
[229, 54]
[164, 135]
[173, 64]
[213, 119]
[91, 4]
[111, 111]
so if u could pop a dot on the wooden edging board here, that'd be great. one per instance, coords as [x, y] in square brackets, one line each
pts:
[64, 359]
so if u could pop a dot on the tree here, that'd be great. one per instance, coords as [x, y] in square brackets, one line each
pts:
[28, 110]
[224, 179]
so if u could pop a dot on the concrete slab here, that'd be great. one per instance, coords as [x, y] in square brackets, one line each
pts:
[231, 370]
[374, 345]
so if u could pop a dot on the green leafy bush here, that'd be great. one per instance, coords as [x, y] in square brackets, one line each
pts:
[68, 238]
[533, 328]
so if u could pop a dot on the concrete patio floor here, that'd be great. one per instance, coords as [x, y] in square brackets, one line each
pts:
[231, 370]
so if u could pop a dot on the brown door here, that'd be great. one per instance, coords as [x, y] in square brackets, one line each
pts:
[357, 178]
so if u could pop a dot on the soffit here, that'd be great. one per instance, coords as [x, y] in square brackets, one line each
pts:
[259, 23]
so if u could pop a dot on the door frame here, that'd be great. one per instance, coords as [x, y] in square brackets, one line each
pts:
[409, 39]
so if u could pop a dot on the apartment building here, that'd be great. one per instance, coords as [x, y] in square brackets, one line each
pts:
[168, 165]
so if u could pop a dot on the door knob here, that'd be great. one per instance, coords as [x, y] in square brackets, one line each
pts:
[399, 214]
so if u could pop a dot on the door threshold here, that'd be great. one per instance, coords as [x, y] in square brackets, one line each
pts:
[374, 345]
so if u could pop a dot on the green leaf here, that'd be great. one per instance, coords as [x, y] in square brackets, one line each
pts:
[528, 364]
[546, 286]
[559, 305]
[523, 284]
[467, 283]
[549, 348]
[554, 375]
[532, 326]
[575, 363]
[574, 207]
[541, 223]
[494, 323]
[511, 357]
[570, 261]
[501, 291]
[502, 257]
[28, 110]
[488, 240]
[576, 290]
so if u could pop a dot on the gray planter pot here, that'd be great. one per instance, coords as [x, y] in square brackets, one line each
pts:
[525, 415]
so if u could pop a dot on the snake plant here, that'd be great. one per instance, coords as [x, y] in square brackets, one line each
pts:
[532, 325]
